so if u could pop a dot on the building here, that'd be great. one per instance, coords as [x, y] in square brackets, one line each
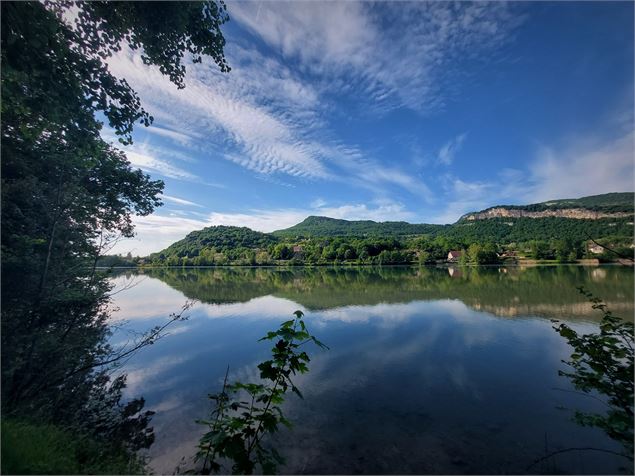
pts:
[596, 249]
[454, 255]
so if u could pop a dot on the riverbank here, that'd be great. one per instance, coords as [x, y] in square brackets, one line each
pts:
[444, 264]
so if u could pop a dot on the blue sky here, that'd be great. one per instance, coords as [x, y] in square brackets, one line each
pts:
[387, 111]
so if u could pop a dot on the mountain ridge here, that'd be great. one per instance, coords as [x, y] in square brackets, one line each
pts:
[598, 216]
[593, 207]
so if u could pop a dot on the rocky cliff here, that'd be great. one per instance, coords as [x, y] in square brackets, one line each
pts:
[579, 213]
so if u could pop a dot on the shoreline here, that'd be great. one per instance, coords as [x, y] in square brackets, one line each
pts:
[517, 264]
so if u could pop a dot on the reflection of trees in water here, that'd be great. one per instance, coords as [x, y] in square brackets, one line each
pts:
[513, 291]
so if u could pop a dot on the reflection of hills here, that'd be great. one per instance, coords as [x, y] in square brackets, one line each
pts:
[542, 291]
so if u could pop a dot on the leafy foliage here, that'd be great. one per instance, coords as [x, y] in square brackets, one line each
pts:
[481, 254]
[603, 363]
[67, 194]
[245, 412]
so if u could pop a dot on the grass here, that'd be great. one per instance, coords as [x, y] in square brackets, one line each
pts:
[33, 448]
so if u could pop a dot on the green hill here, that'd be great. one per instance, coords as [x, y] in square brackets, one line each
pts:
[324, 226]
[217, 238]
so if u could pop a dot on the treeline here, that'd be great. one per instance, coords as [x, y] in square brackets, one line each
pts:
[219, 246]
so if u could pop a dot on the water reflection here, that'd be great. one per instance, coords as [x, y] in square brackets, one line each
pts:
[423, 375]
[515, 291]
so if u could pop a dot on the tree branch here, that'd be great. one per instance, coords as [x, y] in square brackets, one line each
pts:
[567, 450]
[145, 341]
[609, 249]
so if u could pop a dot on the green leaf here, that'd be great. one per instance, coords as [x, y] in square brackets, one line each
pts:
[296, 390]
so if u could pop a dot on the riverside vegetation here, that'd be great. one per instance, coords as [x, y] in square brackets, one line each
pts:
[67, 195]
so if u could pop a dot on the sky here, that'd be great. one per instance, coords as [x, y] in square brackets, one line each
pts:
[387, 111]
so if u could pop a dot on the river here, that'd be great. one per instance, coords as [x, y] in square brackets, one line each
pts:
[430, 370]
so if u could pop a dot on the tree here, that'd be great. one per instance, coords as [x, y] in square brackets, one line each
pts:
[540, 250]
[471, 255]
[66, 193]
[566, 250]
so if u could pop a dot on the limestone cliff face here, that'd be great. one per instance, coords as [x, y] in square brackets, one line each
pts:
[580, 213]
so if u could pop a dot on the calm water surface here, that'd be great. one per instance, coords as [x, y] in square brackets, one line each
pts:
[429, 370]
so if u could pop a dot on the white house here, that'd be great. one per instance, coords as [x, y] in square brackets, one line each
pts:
[454, 255]
[596, 249]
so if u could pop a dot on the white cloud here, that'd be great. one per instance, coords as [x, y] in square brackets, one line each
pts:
[156, 232]
[581, 170]
[268, 138]
[271, 220]
[395, 54]
[450, 149]
[181, 138]
[375, 174]
[260, 220]
[271, 119]
[155, 165]
[180, 201]
[585, 167]
[384, 211]
[362, 171]
[464, 197]
[318, 202]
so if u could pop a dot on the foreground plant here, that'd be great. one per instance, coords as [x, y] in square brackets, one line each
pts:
[603, 363]
[245, 412]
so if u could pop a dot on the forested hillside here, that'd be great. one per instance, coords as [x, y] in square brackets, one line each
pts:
[508, 230]
[211, 243]
[325, 226]
[323, 240]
